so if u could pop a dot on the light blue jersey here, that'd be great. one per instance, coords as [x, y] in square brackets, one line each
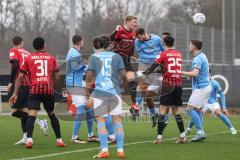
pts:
[149, 49]
[200, 62]
[217, 90]
[74, 68]
[106, 66]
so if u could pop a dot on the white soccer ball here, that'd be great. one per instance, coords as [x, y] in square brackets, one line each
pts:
[199, 18]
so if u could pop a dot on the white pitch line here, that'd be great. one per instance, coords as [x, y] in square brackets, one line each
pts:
[91, 149]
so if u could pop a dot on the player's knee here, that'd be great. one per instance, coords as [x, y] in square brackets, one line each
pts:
[218, 112]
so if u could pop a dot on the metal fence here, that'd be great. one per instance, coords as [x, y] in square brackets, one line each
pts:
[221, 48]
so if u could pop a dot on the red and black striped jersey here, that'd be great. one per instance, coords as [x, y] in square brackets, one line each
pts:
[19, 55]
[171, 64]
[41, 67]
[124, 42]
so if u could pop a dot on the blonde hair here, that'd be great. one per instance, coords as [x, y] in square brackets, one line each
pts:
[129, 18]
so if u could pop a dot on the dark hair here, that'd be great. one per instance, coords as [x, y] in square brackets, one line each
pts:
[76, 39]
[169, 41]
[17, 40]
[103, 42]
[38, 43]
[96, 43]
[197, 43]
[166, 33]
[140, 31]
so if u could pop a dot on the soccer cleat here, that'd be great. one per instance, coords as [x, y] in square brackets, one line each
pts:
[60, 144]
[93, 139]
[44, 126]
[22, 141]
[120, 155]
[233, 131]
[154, 120]
[181, 140]
[77, 141]
[198, 138]
[135, 107]
[29, 145]
[112, 140]
[158, 141]
[102, 155]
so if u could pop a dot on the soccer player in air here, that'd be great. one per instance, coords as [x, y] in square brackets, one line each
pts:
[75, 70]
[215, 108]
[201, 87]
[124, 38]
[171, 92]
[19, 109]
[147, 47]
[43, 71]
[104, 69]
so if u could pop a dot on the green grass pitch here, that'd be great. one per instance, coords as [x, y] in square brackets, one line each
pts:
[138, 140]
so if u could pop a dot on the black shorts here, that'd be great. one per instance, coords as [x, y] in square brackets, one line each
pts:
[22, 97]
[34, 102]
[172, 98]
[127, 63]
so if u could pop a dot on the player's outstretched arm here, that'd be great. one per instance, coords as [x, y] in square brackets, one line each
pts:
[13, 99]
[193, 73]
[151, 68]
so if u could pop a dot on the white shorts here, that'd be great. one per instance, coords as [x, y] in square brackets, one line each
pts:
[154, 80]
[78, 100]
[199, 97]
[77, 96]
[104, 106]
[211, 107]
